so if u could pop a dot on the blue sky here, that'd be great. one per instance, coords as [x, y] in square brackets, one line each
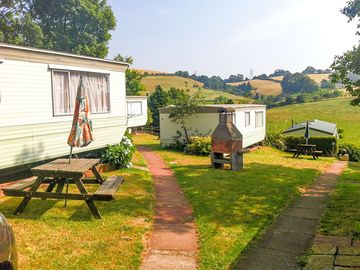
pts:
[215, 37]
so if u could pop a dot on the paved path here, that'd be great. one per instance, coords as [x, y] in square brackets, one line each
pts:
[173, 242]
[291, 234]
[334, 253]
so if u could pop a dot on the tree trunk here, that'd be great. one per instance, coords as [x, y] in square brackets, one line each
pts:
[186, 134]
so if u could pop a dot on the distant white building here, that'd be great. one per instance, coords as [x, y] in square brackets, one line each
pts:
[318, 128]
[136, 111]
[250, 120]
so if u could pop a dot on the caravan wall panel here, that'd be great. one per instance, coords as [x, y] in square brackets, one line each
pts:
[205, 124]
[28, 130]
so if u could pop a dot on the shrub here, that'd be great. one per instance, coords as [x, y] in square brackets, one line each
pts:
[352, 150]
[275, 139]
[119, 155]
[199, 145]
[324, 144]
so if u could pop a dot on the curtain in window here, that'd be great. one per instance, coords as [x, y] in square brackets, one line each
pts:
[61, 93]
[64, 88]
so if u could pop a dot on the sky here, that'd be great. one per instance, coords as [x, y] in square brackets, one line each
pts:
[223, 37]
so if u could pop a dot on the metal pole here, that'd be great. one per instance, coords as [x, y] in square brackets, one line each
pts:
[70, 154]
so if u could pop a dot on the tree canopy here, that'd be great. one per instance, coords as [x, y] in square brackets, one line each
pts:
[347, 66]
[298, 82]
[75, 26]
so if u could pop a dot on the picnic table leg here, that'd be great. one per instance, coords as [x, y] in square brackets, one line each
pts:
[50, 187]
[89, 202]
[27, 199]
[97, 175]
[61, 184]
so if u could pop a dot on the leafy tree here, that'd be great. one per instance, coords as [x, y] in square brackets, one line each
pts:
[347, 67]
[159, 98]
[181, 73]
[175, 94]
[309, 70]
[185, 106]
[75, 26]
[289, 100]
[125, 59]
[235, 78]
[221, 100]
[300, 99]
[280, 72]
[134, 86]
[261, 77]
[297, 83]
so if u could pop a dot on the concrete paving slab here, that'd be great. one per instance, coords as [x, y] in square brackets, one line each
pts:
[320, 262]
[291, 234]
[347, 261]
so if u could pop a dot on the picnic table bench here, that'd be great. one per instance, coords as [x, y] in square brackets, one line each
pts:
[60, 173]
[306, 149]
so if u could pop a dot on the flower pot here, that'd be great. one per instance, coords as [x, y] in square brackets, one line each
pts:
[103, 168]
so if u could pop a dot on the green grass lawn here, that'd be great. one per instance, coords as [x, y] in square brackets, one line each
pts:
[50, 236]
[343, 215]
[337, 111]
[232, 208]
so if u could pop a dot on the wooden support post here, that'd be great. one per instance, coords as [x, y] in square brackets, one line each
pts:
[97, 175]
[50, 186]
[27, 199]
[89, 202]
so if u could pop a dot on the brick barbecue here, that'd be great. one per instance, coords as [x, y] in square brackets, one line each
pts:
[226, 142]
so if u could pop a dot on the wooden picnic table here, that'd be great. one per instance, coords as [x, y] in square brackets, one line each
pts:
[60, 173]
[307, 149]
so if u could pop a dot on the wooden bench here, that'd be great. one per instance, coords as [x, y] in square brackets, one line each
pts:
[107, 190]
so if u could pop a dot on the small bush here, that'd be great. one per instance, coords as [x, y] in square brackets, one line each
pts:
[119, 155]
[276, 140]
[352, 150]
[322, 143]
[199, 145]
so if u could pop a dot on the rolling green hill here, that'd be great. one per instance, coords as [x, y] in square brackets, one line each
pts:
[273, 88]
[166, 82]
[263, 87]
[337, 111]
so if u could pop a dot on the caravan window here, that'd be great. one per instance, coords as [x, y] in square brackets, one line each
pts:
[247, 119]
[134, 108]
[259, 118]
[65, 84]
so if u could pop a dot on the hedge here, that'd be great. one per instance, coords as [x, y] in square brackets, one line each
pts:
[352, 150]
[324, 144]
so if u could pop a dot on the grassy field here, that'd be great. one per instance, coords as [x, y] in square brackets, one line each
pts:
[166, 82]
[342, 216]
[264, 87]
[316, 77]
[337, 111]
[232, 209]
[50, 236]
